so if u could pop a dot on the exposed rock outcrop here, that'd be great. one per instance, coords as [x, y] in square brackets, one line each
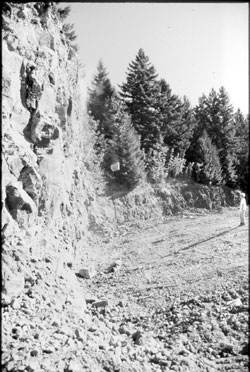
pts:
[44, 133]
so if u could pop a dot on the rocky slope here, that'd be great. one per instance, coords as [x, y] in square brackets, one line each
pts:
[178, 303]
[56, 213]
[47, 192]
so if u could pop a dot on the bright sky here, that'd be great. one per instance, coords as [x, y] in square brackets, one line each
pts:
[194, 46]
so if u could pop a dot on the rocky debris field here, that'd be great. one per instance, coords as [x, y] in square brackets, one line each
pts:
[168, 295]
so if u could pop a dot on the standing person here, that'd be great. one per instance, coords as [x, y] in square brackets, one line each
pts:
[243, 208]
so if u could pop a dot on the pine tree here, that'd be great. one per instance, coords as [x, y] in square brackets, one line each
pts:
[140, 94]
[177, 119]
[200, 115]
[210, 170]
[215, 115]
[241, 125]
[225, 140]
[186, 127]
[124, 147]
[168, 110]
[99, 97]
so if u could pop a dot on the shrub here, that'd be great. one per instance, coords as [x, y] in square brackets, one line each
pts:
[155, 161]
[175, 165]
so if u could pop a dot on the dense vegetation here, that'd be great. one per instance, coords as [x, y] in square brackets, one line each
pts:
[208, 143]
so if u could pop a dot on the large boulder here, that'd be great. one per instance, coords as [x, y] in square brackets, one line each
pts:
[31, 181]
[18, 199]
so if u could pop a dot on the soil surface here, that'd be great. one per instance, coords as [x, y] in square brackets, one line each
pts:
[168, 295]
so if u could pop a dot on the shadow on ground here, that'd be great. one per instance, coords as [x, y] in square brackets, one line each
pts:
[199, 242]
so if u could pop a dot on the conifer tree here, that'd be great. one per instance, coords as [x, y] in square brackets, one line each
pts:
[124, 146]
[99, 96]
[225, 139]
[210, 170]
[168, 110]
[241, 125]
[186, 126]
[214, 114]
[140, 94]
[177, 119]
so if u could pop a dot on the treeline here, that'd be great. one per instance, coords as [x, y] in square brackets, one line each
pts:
[155, 134]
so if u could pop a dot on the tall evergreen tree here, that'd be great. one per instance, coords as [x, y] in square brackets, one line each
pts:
[140, 94]
[124, 146]
[241, 125]
[168, 111]
[177, 119]
[186, 126]
[225, 140]
[210, 170]
[215, 115]
[99, 95]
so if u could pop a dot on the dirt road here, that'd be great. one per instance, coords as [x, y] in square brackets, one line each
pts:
[194, 252]
[185, 276]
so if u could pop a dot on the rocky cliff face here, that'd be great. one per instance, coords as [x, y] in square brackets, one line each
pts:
[48, 196]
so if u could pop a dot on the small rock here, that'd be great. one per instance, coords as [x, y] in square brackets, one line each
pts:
[49, 349]
[236, 302]
[90, 301]
[92, 329]
[16, 303]
[103, 347]
[55, 323]
[87, 273]
[34, 352]
[121, 303]
[137, 337]
[124, 330]
[102, 303]
[80, 335]
[115, 266]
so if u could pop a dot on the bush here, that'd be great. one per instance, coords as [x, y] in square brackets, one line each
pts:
[175, 165]
[124, 148]
[207, 169]
[156, 165]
